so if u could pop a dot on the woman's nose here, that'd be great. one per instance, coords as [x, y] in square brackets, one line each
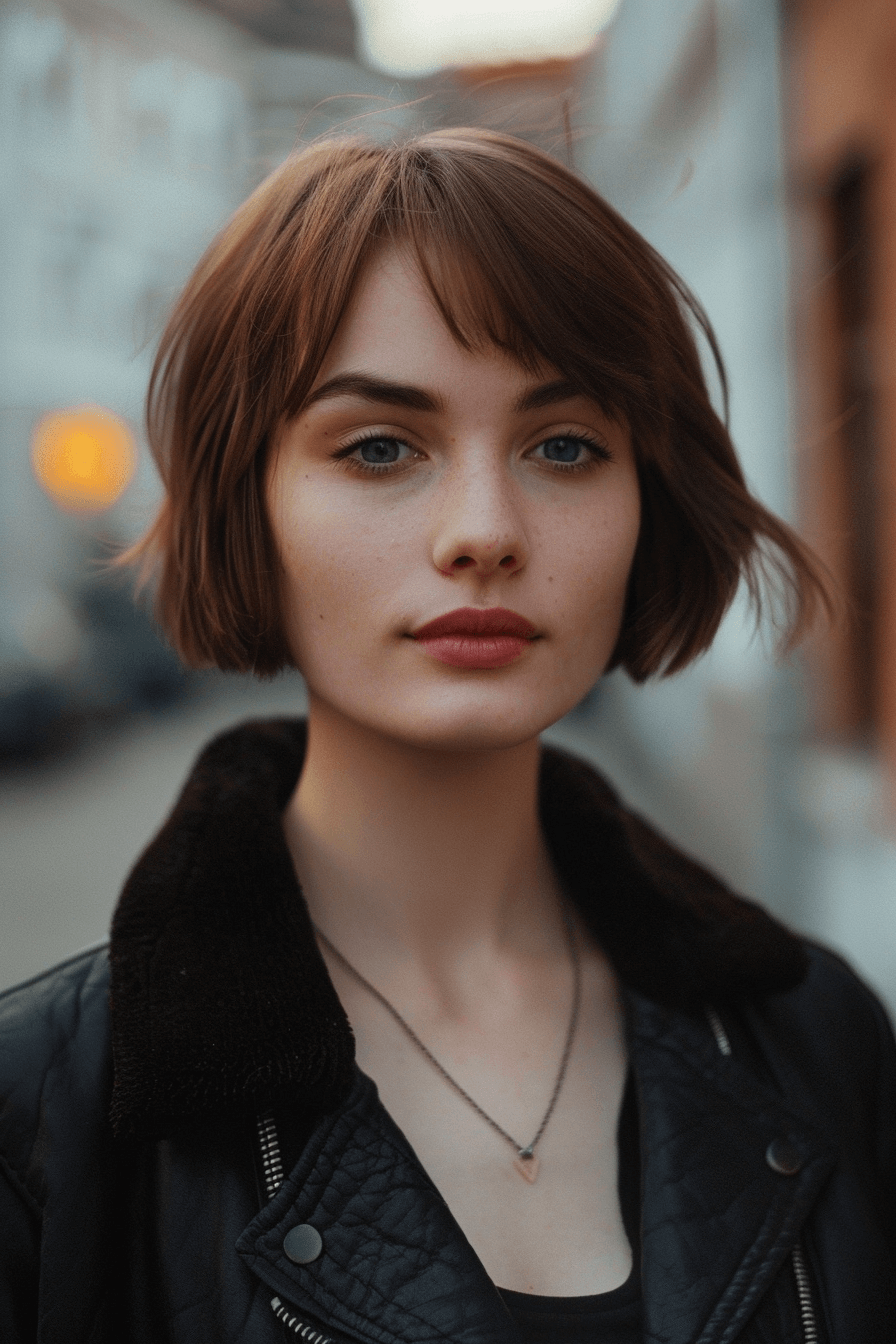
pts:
[479, 526]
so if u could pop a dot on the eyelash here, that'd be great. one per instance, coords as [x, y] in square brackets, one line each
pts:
[598, 450]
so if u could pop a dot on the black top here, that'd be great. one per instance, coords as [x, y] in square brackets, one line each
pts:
[599, 1318]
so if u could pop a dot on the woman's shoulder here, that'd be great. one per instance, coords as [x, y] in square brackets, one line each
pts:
[54, 1004]
[832, 980]
[830, 1039]
[832, 1013]
[54, 1043]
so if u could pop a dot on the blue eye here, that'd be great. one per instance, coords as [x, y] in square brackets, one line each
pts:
[563, 449]
[379, 452]
[376, 455]
[572, 452]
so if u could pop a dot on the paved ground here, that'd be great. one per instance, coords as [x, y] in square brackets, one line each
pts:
[70, 833]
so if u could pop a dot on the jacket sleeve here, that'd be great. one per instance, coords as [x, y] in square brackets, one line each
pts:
[848, 1031]
[52, 1048]
[885, 1124]
[19, 1259]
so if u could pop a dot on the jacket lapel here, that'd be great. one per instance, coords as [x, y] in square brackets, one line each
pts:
[394, 1264]
[718, 1221]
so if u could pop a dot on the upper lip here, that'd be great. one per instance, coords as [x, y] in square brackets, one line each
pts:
[477, 621]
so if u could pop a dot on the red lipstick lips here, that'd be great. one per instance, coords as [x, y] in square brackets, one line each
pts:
[474, 637]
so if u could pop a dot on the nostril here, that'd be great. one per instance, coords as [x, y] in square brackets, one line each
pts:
[464, 562]
[507, 561]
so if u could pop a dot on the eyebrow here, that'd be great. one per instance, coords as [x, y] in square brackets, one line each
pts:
[377, 390]
[547, 394]
[384, 392]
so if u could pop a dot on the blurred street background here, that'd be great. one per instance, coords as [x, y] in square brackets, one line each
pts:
[752, 141]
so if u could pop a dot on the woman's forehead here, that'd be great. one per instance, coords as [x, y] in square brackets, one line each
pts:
[393, 331]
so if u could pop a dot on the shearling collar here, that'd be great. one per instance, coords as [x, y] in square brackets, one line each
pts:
[222, 1003]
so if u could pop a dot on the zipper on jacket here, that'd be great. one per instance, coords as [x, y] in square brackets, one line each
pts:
[797, 1257]
[272, 1168]
[718, 1030]
[296, 1326]
[804, 1293]
[271, 1161]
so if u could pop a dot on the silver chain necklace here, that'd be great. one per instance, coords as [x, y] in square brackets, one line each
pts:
[525, 1161]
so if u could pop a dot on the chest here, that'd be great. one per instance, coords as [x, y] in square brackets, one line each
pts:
[561, 1233]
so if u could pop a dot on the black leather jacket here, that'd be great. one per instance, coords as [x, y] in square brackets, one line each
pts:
[134, 1204]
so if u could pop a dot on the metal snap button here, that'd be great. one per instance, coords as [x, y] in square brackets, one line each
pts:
[303, 1244]
[783, 1157]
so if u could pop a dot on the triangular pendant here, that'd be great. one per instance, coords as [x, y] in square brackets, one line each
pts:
[527, 1168]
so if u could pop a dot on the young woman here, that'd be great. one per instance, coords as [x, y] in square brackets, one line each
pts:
[412, 1031]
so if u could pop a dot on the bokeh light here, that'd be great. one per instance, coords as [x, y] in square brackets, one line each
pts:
[404, 37]
[83, 457]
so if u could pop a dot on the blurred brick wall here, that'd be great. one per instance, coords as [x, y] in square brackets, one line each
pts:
[841, 92]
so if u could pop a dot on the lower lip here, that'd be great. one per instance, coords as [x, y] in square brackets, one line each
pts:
[476, 651]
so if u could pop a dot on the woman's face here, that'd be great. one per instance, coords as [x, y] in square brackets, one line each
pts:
[422, 480]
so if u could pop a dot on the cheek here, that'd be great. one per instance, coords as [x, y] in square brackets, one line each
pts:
[320, 577]
[599, 552]
[301, 544]
[336, 570]
[619, 540]
[603, 546]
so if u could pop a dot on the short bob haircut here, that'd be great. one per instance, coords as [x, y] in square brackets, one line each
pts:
[519, 254]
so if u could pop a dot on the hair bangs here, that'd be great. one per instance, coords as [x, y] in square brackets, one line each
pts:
[472, 303]
[510, 265]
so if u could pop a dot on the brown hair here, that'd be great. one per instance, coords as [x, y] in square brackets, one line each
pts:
[517, 251]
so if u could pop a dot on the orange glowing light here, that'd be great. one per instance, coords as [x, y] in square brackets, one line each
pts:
[84, 457]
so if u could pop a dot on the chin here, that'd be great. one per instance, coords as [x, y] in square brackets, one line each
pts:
[467, 719]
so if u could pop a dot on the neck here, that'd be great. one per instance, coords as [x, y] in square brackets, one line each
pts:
[410, 852]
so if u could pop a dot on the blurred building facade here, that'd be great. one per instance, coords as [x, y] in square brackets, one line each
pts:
[841, 104]
[123, 139]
